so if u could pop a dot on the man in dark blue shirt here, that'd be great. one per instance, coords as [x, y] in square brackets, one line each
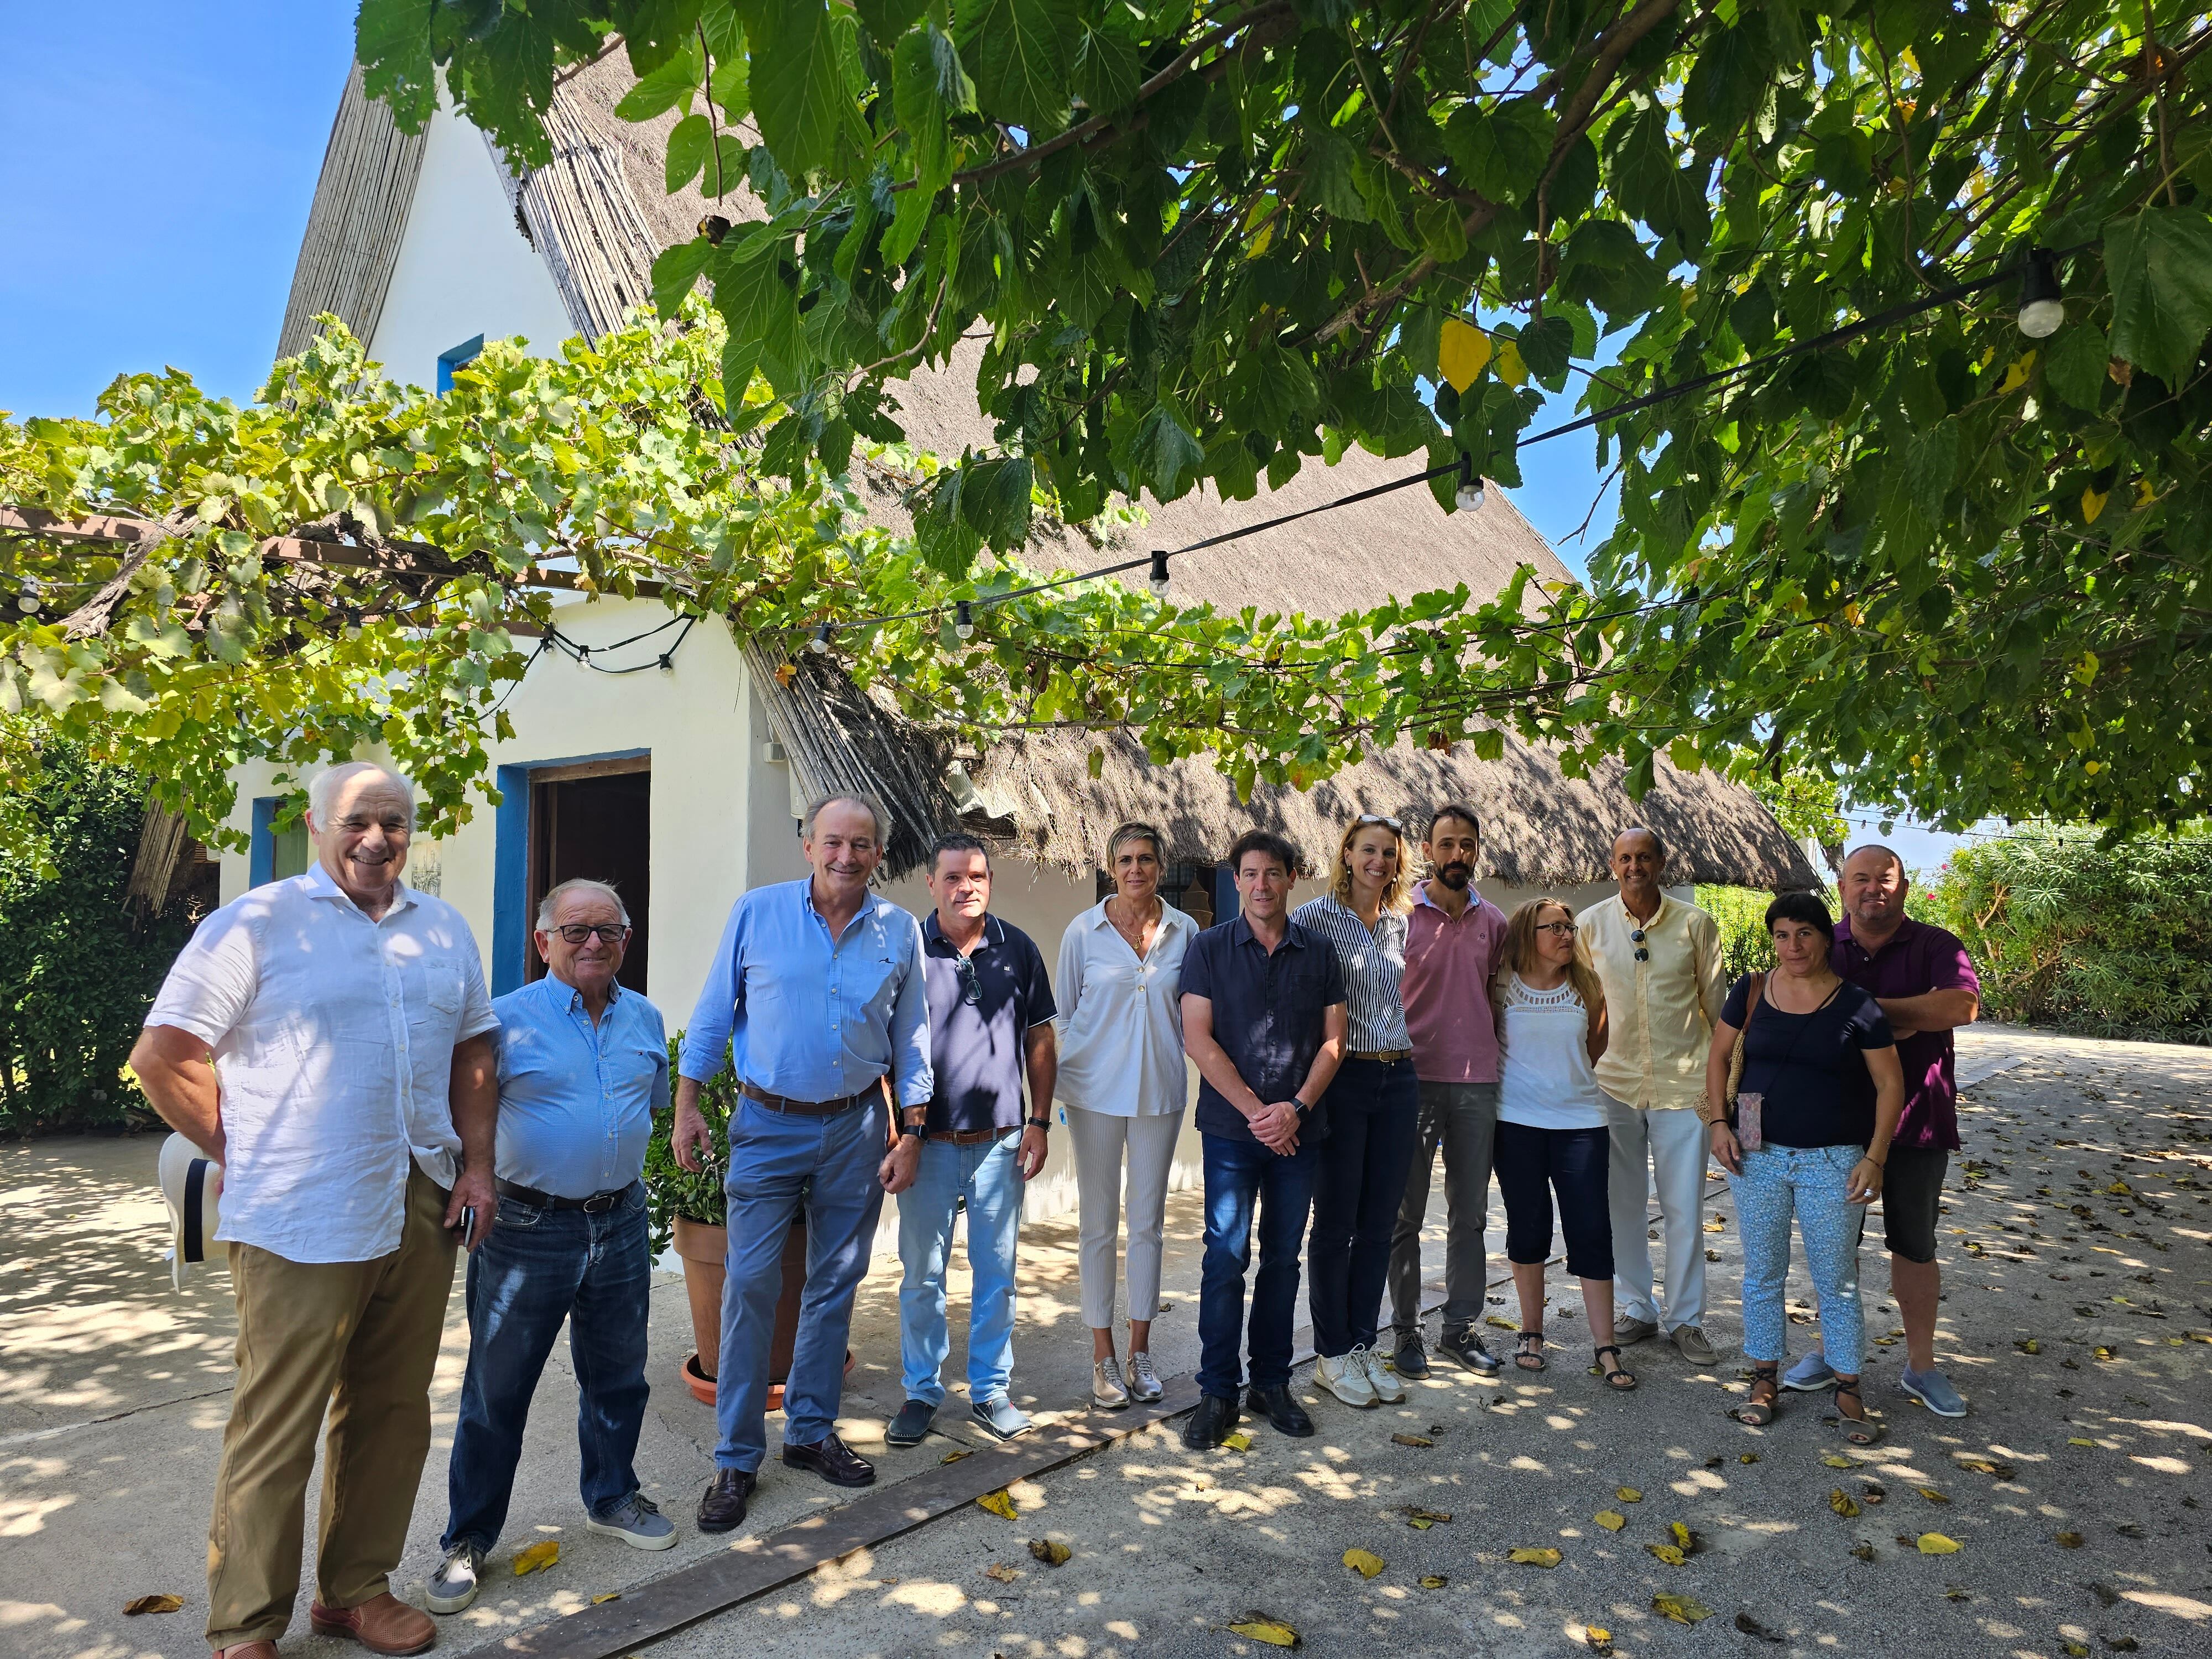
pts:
[990, 1026]
[1264, 1017]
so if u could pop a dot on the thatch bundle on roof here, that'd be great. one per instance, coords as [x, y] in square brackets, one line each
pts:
[597, 215]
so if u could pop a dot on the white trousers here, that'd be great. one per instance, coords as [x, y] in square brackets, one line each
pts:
[1104, 1144]
[1667, 1149]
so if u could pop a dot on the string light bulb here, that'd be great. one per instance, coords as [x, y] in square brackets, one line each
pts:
[819, 645]
[1469, 496]
[28, 600]
[963, 619]
[2042, 306]
[1159, 577]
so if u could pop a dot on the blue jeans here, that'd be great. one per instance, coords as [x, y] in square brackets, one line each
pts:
[1242, 1177]
[989, 1176]
[1809, 1182]
[1374, 1124]
[779, 1161]
[539, 1267]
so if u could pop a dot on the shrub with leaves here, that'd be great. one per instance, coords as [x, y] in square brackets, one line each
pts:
[2109, 939]
[671, 1190]
[77, 973]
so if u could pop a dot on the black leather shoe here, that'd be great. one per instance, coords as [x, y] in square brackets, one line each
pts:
[1412, 1356]
[723, 1507]
[1211, 1423]
[829, 1458]
[1279, 1408]
[1465, 1346]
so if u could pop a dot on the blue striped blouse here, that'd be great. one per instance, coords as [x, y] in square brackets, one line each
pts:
[1374, 964]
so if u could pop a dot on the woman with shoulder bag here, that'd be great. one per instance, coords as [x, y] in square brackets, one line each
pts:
[1804, 1129]
[1552, 1128]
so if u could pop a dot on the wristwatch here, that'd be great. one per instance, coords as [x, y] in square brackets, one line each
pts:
[1043, 1124]
[919, 1130]
[1300, 1108]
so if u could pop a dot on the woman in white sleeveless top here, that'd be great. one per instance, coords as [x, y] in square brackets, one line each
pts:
[1552, 1134]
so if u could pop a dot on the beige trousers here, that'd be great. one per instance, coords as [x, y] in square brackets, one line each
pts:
[1102, 1144]
[359, 1338]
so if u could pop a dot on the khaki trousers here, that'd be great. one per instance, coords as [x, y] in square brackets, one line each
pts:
[359, 1338]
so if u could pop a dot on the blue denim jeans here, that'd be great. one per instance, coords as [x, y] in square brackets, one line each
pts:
[989, 1176]
[779, 1161]
[1810, 1182]
[1374, 1124]
[541, 1267]
[1242, 1177]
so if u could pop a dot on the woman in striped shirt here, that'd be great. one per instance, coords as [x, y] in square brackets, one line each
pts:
[1373, 1110]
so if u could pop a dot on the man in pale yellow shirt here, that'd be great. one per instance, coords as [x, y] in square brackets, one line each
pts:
[1659, 960]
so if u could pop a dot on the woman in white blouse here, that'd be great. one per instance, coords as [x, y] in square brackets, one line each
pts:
[1123, 1082]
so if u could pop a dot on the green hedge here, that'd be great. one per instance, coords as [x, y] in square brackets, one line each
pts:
[2109, 941]
[671, 1190]
[78, 975]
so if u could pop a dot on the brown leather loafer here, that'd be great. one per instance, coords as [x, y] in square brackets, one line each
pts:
[723, 1507]
[264, 1648]
[383, 1625]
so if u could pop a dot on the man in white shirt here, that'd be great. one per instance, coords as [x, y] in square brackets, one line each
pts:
[329, 1039]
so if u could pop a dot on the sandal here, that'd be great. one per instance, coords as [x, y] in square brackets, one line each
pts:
[1528, 1358]
[1619, 1379]
[1755, 1412]
[1860, 1431]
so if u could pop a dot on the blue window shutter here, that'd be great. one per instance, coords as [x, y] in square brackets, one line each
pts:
[452, 358]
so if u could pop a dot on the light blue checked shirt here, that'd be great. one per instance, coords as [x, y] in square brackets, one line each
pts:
[1374, 966]
[810, 1018]
[576, 1101]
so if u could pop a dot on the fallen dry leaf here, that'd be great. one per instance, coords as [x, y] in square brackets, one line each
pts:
[1989, 1466]
[1050, 1550]
[1001, 1571]
[1874, 1492]
[2079, 1440]
[1435, 1581]
[1501, 1324]
[605, 1596]
[1751, 1627]
[154, 1604]
[1746, 1457]
[1864, 1552]
[537, 1557]
[1529, 1555]
[1000, 1505]
[1273, 1631]
[1611, 1520]
[1597, 1639]
[2069, 1541]
[1628, 1495]
[1365, 1563]
[1835, 1462]
[1412, 1440]
[1237, 1441]
[1421, 1517]
[1670, 1553]
[1934, 1543]
[954, 1456]
[1682, 1609]
[1840, 1501]
[2029, 1346]
[2075, 1649]
[1932, 1495]
[1683, 1536]
[1958, 1593]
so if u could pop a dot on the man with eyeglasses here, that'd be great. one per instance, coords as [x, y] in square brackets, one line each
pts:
[583, 1065]
[990, 1028]
[1659, 960]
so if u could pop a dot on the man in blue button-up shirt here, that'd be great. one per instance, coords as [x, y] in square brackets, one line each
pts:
[817, 991]
[583, 1064]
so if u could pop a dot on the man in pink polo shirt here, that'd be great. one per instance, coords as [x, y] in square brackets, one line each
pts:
[1451, 945]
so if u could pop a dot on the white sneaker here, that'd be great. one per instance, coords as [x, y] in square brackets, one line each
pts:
[1346, 1376]
[1143, 1381]
[1380, 1377]
[453, 1586]
[1108, 1391]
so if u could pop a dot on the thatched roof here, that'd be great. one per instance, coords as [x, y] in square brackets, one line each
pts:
[599, 214]
[360, 209]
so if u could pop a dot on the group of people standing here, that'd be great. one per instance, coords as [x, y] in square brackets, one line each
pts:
[329, 1039]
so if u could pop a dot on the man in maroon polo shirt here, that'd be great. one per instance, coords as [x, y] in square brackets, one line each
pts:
[1927, 986]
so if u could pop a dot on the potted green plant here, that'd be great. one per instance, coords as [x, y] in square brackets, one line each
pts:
[688, 1209]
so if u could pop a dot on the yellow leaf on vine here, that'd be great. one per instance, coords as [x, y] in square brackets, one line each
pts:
[1510, 368]
[2093, 503]
[1463, 353]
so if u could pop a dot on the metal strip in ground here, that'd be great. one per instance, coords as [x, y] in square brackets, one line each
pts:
[756, 1565]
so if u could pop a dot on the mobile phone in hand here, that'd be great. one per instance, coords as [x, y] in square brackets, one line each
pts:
[468, 1226]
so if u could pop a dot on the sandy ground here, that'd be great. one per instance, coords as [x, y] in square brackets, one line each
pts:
[2084, 1228]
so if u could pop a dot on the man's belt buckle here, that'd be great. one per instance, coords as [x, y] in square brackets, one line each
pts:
[599, 1203]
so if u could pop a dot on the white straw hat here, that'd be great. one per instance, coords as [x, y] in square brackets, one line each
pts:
[191, 1182]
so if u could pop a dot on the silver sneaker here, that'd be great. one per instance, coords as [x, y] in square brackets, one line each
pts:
[453, 1586]
[1108, 1391]
[1345, 1375]
[1144, 1382]
[1388, 1389]
[638, 1521]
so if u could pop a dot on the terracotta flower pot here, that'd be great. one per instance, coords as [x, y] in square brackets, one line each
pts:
[705, 1252]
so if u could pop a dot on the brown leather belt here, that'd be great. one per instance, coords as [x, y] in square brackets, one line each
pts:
[811, 1108]
[1385, 1056]
[971, 1136]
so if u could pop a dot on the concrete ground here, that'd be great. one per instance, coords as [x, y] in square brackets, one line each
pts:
[2079, 1224]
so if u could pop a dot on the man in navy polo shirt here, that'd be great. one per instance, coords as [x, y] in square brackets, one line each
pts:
[990, 1025]
[1264, 1017]
[1926, 984]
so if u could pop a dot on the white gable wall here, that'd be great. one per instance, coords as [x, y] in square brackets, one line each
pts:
[464, 269]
